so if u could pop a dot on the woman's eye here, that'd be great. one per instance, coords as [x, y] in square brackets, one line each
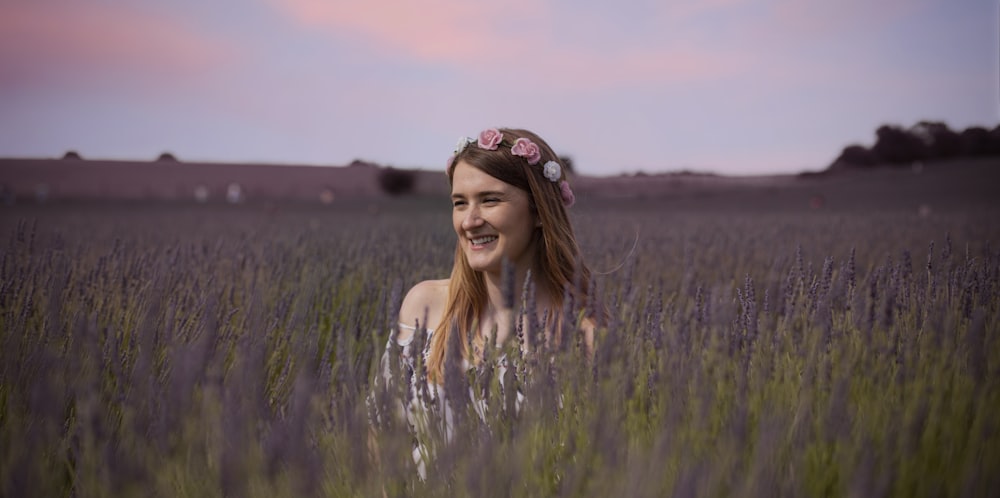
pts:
[457, 203]
[490, 200]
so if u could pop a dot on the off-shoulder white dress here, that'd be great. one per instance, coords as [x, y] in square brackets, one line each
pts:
[416, 409]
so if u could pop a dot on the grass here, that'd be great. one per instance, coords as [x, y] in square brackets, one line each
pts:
[182, 350]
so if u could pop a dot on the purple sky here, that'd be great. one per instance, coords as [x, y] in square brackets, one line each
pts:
[729, 86]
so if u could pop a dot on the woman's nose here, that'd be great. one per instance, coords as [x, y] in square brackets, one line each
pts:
[472, 219]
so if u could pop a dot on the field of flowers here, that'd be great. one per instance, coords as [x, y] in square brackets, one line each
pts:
[200, 350]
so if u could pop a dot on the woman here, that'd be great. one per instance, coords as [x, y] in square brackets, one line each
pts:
[509, 198]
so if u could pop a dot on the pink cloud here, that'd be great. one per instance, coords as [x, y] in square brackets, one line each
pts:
[69, 42]
[518, 41]
[431, 30]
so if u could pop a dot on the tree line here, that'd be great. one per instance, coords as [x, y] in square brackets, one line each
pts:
[924, 141]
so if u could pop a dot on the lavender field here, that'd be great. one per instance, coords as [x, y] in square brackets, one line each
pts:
[216, 350]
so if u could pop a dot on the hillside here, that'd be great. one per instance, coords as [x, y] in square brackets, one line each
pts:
[77, 179]
[953, 183]
[957, 183]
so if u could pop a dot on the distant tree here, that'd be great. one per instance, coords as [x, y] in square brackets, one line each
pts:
[166, 157]
[568, 163]
[978, 141]
[939, 140]
[72, 155]
[855, 156]
[396, 181]
[894, 145]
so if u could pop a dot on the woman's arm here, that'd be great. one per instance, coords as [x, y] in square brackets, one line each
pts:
[587, 325]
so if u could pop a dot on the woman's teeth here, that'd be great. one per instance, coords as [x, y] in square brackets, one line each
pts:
[483, 240]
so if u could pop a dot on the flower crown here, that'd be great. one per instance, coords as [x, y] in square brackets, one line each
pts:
[491, 139]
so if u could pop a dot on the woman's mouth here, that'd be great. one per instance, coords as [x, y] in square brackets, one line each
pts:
[483, 241]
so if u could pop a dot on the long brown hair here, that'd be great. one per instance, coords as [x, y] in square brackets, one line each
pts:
[559, 265]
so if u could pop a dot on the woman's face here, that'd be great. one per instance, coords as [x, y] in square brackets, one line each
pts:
[493, 220]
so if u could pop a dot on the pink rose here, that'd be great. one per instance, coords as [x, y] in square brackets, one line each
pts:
[490, 138]
[526, 149]
[567, 194]
[451, 159]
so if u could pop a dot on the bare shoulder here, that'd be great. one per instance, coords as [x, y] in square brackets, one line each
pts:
[428, 298]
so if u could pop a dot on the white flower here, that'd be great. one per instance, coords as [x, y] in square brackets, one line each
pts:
[463, 142]
[552, 171]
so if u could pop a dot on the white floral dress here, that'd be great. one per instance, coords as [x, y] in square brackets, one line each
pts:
[416, 409]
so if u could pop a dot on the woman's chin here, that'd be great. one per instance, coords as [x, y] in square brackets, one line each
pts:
[483, 266]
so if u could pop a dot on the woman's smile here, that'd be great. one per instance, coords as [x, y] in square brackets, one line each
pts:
[481, 242]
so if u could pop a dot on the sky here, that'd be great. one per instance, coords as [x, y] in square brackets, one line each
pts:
[737, 87]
